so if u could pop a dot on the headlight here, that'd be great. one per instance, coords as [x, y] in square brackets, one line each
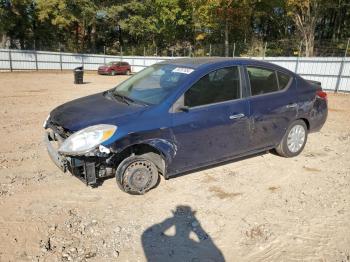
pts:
[86, 139]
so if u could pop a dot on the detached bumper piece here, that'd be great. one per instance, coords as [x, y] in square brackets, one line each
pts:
[84, 168]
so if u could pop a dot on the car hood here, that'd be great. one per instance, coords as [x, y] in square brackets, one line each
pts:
[95, 109]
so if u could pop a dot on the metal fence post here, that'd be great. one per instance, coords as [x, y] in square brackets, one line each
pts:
[104, 54]
[296, 65]
[10, 58]
[341, 68]
[209, 49]
[234, 49]
[82, 60]
[36, 60]
[61, 60]
[339, 75]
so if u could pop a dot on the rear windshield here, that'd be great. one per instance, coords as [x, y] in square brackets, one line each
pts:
[153, 84]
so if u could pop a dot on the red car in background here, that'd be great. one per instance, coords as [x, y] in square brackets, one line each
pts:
[113, 68]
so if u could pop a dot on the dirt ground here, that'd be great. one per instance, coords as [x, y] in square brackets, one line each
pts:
[264, 208]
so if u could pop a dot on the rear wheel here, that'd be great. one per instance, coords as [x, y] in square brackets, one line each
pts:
[127, 72]
[294, 140]
[137, 174]
[113, 73]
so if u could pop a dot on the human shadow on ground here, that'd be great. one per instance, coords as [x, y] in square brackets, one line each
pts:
[179, 238]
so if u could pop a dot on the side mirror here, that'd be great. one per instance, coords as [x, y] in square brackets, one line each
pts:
[183, 109]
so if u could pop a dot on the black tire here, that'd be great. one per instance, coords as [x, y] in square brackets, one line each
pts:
[127, 72]
[113, 73]
[283, 149]
[137, 174]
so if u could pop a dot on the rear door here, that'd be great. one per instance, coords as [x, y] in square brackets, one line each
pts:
[214, 125]
[273, 105]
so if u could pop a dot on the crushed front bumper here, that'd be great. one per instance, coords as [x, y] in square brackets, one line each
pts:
[83, 168]
[60, 161]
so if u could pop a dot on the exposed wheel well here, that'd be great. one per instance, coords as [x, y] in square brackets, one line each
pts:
[140, 149]
[306, 122]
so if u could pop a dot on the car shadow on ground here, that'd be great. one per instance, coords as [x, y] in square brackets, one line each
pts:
[179, 238]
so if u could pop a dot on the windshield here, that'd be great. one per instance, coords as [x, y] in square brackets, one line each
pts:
[153, 84]
[111, 63]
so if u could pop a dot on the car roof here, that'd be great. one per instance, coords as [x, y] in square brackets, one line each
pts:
[202, 62]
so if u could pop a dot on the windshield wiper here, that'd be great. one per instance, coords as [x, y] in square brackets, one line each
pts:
[122, 98]
[126, 99]
[129, 99]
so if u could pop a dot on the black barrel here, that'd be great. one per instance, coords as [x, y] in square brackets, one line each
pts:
[78, 75]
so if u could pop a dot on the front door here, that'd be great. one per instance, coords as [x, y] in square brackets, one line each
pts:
[213, 125]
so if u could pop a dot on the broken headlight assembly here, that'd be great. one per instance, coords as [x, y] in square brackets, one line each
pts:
[87, 139]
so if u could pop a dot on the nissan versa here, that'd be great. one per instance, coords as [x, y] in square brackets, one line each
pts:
[181, 115]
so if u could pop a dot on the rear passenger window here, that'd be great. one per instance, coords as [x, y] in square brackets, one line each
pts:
[217, 86]
[262, 80]
[283, 80]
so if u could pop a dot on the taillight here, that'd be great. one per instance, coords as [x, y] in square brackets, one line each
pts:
[321, 94]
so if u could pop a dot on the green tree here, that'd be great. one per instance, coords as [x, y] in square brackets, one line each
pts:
[306, 14]
[16, 22]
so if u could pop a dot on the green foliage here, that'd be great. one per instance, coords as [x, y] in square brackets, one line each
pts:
[181, 27]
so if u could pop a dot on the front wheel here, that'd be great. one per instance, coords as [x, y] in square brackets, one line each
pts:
[294, 140]
[137, 174]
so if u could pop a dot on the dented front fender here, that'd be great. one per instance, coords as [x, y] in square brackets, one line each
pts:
[165, 143]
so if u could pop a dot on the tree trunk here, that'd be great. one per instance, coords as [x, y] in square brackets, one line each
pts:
[307, 28]
[309, 42]
[226, 39]
[93, 37]
[3, 41]
[76, 36]
[305, 20]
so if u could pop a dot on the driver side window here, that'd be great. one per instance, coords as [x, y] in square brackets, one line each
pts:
[217, 86]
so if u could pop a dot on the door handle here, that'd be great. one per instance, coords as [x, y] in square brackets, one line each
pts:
[293, 105]
[238, 116]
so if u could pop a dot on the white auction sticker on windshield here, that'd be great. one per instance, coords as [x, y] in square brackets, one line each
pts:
[183, 70]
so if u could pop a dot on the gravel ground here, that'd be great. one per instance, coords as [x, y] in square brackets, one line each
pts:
[263, 208]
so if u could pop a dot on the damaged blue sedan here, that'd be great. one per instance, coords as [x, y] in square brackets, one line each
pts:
[181, 115]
